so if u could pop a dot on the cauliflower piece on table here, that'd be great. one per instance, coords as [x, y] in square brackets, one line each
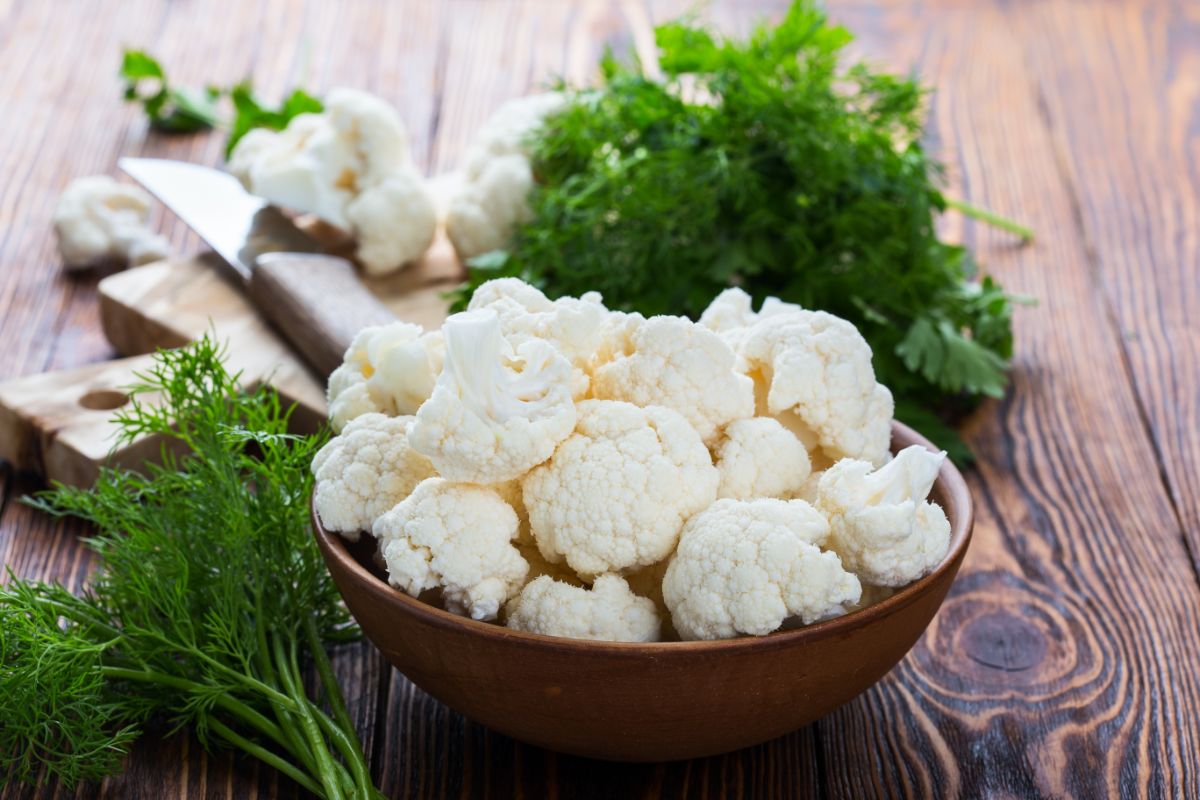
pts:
[388, 369]
[364, 471]
[496, 411]
[616, 493]
[492, 198]
[350, 166]
[571, 324]
[608, 612]
[673, 362]
[743, 567]
[758, 457]
[817, 367]
[456, 537]
[99, 220]
[881, 525]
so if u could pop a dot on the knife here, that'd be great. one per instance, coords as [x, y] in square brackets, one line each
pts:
[315, 300]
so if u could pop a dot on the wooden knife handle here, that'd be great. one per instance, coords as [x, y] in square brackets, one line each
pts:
[317, 302]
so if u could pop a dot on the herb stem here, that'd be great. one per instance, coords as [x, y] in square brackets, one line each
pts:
[991, 218]
[326, 768]
[266, 756]
[287, 723]
[348, 740]
[225, 701]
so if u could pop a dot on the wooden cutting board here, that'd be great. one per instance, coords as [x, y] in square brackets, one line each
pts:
[59, 424]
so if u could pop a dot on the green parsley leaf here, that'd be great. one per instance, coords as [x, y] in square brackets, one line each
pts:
[168, 108]
[250, 113]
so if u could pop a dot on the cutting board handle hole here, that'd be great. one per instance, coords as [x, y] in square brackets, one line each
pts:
[103, 399]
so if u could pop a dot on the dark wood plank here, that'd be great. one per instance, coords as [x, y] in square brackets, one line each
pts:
[1119, 90]
[1064, 662]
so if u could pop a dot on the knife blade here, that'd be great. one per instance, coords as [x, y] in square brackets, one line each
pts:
[315, 300]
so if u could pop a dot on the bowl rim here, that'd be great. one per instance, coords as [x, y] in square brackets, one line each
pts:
[958, 506]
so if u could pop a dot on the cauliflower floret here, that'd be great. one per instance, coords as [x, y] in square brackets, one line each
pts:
[818, 367]
[730, 315]
[730, 310]
[492, 199]
[571, 324]
[393, 221]
[350, 166]
[98, 220]
[672, 362]
[456, 537]
[807, 491]
[617, 492]
[880, 522]
[608, 612]
[743, 567]
[364, 471]
[495, 412]
[389, 369]
[758, 457]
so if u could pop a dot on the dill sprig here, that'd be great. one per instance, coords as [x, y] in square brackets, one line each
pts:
[210, 599]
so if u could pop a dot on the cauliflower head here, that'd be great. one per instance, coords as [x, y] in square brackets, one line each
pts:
[350, 166]
[491, 199]
[758, 457]
[673, 362]
[454, 537]
[571, 324]
[617, 492]
[743, 567]
[608, 612]
[881, 525]
[817, 367]
[496, 411]
[388, 369]
[99, 220]
[364, 471]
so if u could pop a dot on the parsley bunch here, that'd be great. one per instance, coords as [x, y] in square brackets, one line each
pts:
[767, 165]
[209, 600]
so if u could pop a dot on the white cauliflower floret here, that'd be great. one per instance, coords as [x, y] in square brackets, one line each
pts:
[495, 411]
[571, 324]
[350, 166]
[99, 220]
[758, 457]
[455, 537]
[808, 490]
[608, 612]
[730, 315]
[672, 362]
[492, 198]
[364, 471]
[880, 522]
[743, 567]
[617, 492]
[817, 367]
[394, 222]
[730, 310]
[389, 369]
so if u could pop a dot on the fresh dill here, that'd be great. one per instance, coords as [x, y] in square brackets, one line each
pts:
[209, 599]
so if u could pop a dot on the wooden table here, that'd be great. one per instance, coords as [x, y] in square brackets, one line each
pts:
[1066, 661]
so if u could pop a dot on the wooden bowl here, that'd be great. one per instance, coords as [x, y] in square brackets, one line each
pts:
[648, 702]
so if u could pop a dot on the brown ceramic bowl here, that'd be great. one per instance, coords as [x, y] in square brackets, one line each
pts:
[648, 702]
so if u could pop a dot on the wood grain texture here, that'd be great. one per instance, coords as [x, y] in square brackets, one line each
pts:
[1065, 662]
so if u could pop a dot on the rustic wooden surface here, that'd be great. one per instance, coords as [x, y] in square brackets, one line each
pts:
[1066, 661]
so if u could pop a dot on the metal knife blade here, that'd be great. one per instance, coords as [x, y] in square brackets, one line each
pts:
[237, 225]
